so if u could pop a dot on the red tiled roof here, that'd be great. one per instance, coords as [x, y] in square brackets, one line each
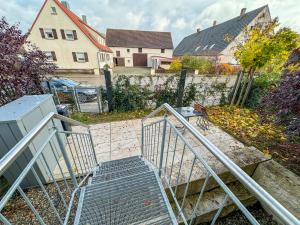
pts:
[79, 23]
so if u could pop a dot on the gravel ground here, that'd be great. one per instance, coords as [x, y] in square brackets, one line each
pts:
[237, 218]
[19, 213]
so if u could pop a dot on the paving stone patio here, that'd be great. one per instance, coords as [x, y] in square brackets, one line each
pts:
[122, 139]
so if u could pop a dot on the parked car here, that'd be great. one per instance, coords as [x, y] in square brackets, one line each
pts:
[67, 86]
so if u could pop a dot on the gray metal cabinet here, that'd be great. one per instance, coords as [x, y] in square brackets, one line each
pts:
[16, 120]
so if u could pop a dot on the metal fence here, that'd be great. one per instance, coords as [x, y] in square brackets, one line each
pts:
[179, 164]
[73, 168]
[80, 99]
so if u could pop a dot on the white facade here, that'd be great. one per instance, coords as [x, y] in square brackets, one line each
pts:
[127, 54]
[61, 51]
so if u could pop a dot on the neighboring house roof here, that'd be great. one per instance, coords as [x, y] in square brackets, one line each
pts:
[78, 22]
[212, 41]
[138, 39]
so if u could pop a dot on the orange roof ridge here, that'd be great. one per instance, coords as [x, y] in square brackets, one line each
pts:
[79, 23]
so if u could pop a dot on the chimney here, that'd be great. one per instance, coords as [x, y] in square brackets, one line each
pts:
[215, 23]
[66, 4]
[84, 18]
[198, 30]
[243, 11]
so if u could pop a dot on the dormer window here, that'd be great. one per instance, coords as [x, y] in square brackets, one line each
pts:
[53, 10]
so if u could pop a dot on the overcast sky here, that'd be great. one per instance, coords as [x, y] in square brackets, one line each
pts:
[181, 17]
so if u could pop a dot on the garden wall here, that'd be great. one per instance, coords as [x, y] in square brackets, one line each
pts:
[210, 87]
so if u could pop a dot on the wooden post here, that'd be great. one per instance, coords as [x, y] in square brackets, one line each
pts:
[251, 78]
[180, 88]
[109, 90]
[237, 86]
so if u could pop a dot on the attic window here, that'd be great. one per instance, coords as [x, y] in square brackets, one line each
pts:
[53, 10]
[69, 35]
[211, 46]
[205, 47]
[196, 49]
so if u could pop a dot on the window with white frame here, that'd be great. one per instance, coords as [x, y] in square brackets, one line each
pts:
[49, 33]
[69, 35]
[80, 57]
[102, 57]
[107, 57]
[53, 10]
[51, 57]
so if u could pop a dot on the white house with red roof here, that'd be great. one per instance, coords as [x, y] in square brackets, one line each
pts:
[68, 40]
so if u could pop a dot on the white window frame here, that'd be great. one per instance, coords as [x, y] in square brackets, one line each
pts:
[49, 56]
[53, 10]
[69, 32]
[107, 57]
[47, 32]
[80, 57]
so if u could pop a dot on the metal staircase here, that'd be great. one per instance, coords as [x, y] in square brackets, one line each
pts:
[129, 190]
[125, 191]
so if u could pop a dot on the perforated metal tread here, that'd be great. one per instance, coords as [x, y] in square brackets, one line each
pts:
[130, 196]
[119, 165]
[97, 178]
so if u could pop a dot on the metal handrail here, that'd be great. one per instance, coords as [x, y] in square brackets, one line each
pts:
[19, 148]
[263, 196]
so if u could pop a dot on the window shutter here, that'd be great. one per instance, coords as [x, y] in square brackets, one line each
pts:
[54, 56]
[54, 33]
[42, 32]
[86, 57]
[74, 56]
[75, 35]
[63, 36]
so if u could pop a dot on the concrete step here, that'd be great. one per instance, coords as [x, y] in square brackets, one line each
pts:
[247, 158]
[211, 201]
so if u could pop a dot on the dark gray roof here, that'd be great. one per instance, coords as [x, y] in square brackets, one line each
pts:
[212, 40]
[138, 39]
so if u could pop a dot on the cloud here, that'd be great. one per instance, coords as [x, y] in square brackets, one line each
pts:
[180, 24]
[178, 16]
[160, 23]
[135, 19]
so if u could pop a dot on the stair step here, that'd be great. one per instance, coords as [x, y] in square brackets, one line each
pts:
[136, 199]
[211, 201]
[119, 165]
[118, 174]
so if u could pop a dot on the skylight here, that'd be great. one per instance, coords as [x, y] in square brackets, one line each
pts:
[205, 47]
[196, 49]
[211, 46]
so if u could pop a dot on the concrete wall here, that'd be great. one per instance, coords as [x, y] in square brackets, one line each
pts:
[149, 51]
[204, 84]
[64, 48]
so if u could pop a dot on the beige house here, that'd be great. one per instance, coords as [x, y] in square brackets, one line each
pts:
[135, 48]
[69, 41]
[218, 42]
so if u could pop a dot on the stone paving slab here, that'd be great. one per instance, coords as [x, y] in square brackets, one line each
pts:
[122, 139]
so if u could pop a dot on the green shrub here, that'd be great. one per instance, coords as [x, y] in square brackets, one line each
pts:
[203, 65]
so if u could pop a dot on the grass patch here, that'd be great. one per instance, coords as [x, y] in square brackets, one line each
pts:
[89, 118]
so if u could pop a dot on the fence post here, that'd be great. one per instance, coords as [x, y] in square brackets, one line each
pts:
[162, 145]
[92, 143]
[99, 99]
[109, 90]
[75, 99]
[180, 88]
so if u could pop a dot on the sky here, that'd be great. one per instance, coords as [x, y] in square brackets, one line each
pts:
[181, 17]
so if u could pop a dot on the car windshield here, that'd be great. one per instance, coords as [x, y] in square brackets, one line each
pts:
[69, 83]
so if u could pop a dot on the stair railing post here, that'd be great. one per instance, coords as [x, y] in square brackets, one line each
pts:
[142, 144]
[162, 145]
[65, 155]
[93, 148]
